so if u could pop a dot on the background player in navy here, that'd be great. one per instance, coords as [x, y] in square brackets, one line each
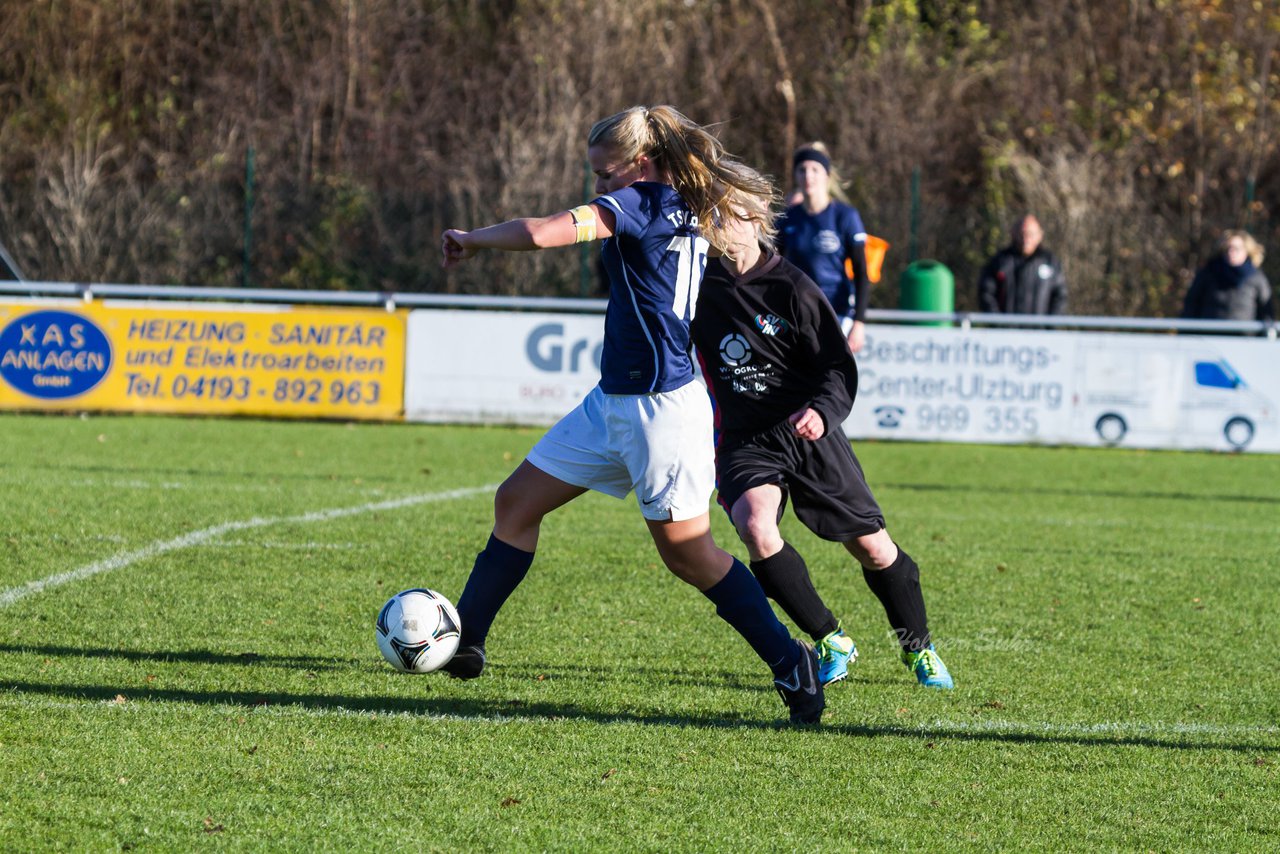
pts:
[820, 233]
[783, 381]
[647, 427]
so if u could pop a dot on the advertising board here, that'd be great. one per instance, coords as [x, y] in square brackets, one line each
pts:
[916, 383]
[228, 360]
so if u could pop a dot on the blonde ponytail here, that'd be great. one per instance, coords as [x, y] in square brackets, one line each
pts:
[691, 158]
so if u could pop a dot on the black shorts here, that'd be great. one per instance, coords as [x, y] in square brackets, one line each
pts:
[824, 479]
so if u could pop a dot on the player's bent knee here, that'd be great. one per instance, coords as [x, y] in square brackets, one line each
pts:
[874, 551]
[703, 568]
[760, 535]
[701, 574]
[514, 512]
[506, 502]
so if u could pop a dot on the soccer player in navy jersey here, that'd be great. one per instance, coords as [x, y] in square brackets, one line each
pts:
[783, 380]
[647, 426]
[820, 233]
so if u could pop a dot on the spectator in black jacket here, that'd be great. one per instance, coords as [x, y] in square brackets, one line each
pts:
[1024, 277]
[1230, 286]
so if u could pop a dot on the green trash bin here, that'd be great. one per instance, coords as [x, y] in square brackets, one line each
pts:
[927, 285]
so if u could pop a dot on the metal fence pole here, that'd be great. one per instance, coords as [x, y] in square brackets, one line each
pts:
[246, 278]
[913, 245]
[584, 249]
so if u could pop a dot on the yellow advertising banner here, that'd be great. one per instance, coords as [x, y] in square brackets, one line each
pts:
[230, 360]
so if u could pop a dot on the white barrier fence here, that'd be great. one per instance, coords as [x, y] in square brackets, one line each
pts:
[920, 383]
[989, 378]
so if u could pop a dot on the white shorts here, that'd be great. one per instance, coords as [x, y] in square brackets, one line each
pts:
[659, 445]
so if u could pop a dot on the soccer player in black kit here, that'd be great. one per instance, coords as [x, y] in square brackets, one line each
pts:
[783, 381]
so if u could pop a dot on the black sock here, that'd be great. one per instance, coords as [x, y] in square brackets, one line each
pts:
[785, 579]
[898, 589]
[498, 571]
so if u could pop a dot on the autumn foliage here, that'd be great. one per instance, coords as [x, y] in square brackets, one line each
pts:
[1135, 130]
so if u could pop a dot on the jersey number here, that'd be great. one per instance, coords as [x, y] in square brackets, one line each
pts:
[691, 256]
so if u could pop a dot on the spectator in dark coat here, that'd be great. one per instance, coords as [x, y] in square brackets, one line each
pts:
[1024, 277]
[1230, 286]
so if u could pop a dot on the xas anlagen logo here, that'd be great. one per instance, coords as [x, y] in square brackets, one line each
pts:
[53, 354]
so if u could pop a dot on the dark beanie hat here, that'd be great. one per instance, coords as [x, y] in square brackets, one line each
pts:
[811, 154]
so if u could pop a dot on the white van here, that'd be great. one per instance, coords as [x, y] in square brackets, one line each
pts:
[1191, 398]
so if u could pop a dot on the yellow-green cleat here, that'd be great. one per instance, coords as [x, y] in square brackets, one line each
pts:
[836, 652]
[928, 668]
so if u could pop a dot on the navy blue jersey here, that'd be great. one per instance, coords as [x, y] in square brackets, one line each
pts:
[819, 244]
[654, 261]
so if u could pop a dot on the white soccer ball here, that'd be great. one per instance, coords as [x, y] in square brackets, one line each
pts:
[418, 631]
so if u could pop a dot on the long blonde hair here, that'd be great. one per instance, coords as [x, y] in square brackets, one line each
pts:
[760, 210]
[687, 155]
[1251, 246]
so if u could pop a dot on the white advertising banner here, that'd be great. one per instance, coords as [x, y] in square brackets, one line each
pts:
[995, 385]
[499, 367]
[915, 382]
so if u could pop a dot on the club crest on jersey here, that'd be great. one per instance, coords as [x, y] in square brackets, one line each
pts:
[770, 324]
[826, 241]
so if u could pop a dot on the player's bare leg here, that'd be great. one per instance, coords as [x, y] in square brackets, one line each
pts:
[688, 550]
[875, 551]
[523, 500]
[521, 503]
[755, 516]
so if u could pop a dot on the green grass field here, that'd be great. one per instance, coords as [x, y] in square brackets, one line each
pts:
[187, 656]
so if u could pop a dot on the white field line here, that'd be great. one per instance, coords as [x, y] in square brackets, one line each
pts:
[13, 594]
[936, 728]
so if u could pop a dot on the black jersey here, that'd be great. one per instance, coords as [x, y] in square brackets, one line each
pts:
[770, 345]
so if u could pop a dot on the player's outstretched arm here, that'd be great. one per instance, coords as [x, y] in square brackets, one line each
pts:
[528, 233]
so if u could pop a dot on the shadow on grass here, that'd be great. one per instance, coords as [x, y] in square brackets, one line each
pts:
[190, 656]
[463, 709]
[722, 678]
[676, 676]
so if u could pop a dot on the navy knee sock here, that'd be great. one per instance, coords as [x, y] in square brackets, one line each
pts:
[741, 603]
[498, 571]
[898, 589]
